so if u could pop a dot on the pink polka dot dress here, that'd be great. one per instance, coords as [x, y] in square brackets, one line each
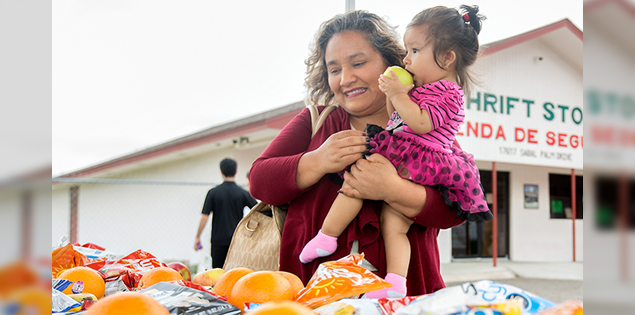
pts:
[432, 159]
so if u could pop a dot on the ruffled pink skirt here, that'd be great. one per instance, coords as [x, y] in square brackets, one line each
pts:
[450, 170]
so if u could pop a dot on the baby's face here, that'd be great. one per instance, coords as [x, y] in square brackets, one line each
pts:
[420, 59]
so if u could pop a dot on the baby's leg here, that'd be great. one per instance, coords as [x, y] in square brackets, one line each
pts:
[394, 230]
[343, 210]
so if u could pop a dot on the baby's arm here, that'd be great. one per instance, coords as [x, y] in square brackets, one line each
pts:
[416, 118]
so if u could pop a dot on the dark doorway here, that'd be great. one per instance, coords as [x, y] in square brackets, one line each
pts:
[474, 239]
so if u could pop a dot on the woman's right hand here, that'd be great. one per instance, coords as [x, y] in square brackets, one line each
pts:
[340, 150]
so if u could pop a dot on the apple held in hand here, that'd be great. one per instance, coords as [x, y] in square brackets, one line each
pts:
[180, 267]
[404, 76]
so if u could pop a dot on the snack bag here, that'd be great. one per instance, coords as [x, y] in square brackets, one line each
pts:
[66, 257]
[335, 280]
[129, 268]
[470, 295]
[391, 305]
[569, 307]
[351, 307]
[184, 300]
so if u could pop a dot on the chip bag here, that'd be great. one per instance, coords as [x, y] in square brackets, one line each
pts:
[569, 307]
[66, 257]
[335, 280]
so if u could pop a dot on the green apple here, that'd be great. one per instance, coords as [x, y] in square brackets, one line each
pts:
[404, 76]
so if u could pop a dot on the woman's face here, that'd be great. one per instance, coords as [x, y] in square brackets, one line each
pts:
[353, 68]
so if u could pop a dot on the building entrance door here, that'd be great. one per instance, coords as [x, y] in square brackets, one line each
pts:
[474, 239]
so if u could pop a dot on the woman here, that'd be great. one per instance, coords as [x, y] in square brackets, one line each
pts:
[350, 53]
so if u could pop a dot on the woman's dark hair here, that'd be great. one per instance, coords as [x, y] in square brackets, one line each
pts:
[449, 30]
[379, 34]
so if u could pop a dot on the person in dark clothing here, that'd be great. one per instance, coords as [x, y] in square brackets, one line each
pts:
[226, 201]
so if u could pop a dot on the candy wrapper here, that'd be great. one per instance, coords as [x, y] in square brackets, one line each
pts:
[458, 299]
[183, 300]
[569, 307]
[335, 280]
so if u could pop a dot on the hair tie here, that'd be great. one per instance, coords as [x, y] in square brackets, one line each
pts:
[466, 17]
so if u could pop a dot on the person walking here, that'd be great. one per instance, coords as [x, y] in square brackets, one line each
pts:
[226, 201]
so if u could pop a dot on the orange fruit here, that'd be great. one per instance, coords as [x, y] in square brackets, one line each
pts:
[31, 300]
[85, 280]
[294, 281]
[17, 275]
[226, 281]
[129, 303]
[260, 287]
[158, 274]
[281, 308]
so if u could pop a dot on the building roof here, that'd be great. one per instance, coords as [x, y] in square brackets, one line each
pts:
[562, 36]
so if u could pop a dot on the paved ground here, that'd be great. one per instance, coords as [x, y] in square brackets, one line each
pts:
[556, 282]
[553, 290]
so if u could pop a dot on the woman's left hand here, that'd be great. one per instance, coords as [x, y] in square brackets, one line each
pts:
[371, 178]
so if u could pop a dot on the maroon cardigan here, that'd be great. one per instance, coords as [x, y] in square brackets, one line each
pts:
[273, 180]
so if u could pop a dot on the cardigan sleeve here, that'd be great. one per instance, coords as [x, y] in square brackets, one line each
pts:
[272, 177]
[436, 213]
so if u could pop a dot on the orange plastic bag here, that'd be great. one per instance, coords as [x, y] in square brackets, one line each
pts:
[335, 280]
[66, 257]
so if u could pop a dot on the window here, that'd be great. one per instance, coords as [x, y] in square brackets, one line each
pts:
[560, 196]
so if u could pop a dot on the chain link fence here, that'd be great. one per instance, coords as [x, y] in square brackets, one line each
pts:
[124, 215]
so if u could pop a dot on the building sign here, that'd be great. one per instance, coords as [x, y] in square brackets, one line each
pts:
[522, 130]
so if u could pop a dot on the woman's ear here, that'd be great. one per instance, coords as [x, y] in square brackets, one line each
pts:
[448, 59]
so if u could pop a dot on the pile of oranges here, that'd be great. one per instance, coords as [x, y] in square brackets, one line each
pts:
[243, 285]
[276, 290]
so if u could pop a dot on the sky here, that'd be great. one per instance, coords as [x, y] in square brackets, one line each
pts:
[128, 75]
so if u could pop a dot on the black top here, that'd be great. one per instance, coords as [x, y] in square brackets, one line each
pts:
[227, 201]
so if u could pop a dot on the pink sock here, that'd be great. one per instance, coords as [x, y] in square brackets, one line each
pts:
[321, 245]
[398, 288]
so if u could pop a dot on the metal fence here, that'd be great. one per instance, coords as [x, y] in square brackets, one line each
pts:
[124, 215]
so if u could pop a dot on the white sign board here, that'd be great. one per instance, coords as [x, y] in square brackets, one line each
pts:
[522, 130]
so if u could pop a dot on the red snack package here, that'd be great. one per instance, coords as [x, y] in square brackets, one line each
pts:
[335, 280]
[130, 268]
[391, 305]
[66, 257]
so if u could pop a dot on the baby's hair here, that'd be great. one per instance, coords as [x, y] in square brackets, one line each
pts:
[450, 30]
[376, 30]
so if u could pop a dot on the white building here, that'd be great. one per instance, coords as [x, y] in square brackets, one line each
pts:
[526, 119]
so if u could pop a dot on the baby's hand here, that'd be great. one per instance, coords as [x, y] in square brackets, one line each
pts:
[391, 86]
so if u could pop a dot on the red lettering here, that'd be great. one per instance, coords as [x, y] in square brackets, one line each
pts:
[474, 129]
[516, 134]
[550, 138]
[500, 133]
[573, 141]
[561, 140]
[483, 125]
[531, 134]
[601, 134]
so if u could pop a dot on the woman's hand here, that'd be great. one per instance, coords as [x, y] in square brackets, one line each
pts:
[340, 150]
[375, 178]
[371, 178]
[391, 86]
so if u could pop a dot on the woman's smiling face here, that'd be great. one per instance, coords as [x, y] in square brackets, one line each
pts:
[353, 66]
